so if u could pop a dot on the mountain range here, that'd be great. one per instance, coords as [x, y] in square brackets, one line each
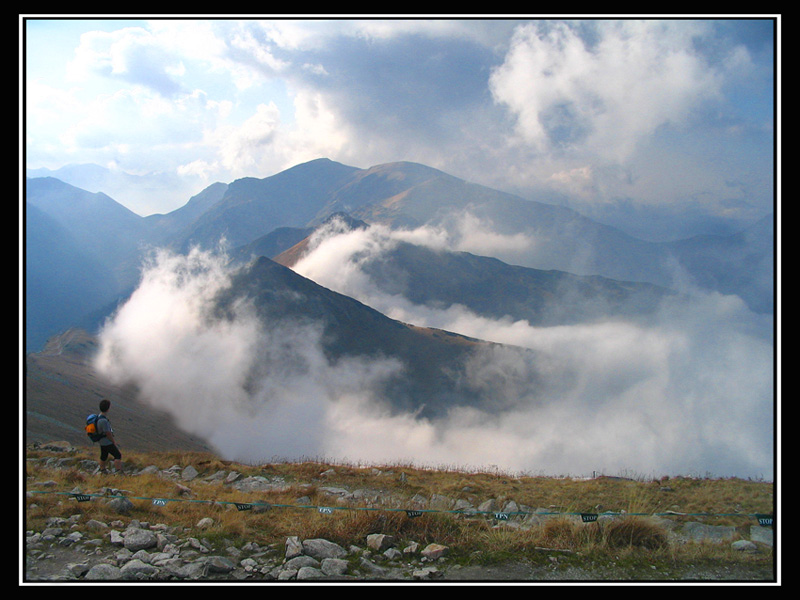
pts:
[510, 258]
[84, 250]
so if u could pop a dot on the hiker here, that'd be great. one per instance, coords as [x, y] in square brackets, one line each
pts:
[108, 444]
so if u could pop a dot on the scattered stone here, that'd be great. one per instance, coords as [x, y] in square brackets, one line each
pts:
[762, 535]
[120, 505]
[380, 542]
[139, 539]
[294, 547]
[700, 531]
[219, 564]
[334, 567]
[189, 473]
[322, 549]
[434, 551]
[744, 546]
[104, 572]
[137, 569]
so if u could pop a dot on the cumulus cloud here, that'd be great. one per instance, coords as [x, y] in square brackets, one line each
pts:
[608, 93]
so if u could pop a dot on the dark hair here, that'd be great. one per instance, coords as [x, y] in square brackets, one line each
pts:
[104, 405]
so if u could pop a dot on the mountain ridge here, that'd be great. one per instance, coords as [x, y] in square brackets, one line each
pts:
[402, 194]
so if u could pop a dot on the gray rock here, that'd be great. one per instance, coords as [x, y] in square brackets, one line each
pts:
[309, 573]
[371, 568]
[192, 571]
[393, 554]
[762, 535]
[426, 573]
[137, 569]
[139, 539]
[321, 549]
[700, 531]
[256, 483]
[298, 562]
[334, 567]
[103, 572]
[744, 546]
[120, 505]
[434, 551]
[293, 547]
[78, 569]
[380, 542]
[219, 564]
[189, 473]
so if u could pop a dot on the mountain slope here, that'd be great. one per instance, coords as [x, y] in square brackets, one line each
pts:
[63, 282]
[61, 389]
[491, 288]
[434, 361]
[253, 207]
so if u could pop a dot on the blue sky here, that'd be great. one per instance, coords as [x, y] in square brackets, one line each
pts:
[625, 120]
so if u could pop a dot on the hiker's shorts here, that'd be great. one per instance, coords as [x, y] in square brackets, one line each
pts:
[110, 449]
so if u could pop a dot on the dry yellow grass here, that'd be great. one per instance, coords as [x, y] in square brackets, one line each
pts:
[734, 499]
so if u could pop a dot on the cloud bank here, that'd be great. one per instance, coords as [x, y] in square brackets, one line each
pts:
[689, 393]
[673, 117]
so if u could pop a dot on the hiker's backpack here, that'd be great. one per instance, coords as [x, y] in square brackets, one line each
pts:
[91, 428]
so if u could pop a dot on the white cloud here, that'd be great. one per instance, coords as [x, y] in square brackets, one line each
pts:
[689, 393]
[605, 96]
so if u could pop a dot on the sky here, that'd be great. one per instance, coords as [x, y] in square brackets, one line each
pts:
[665, 127]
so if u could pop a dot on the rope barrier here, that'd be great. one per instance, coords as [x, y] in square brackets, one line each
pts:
[765, 520]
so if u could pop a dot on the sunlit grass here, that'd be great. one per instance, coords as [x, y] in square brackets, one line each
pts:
[276, 515]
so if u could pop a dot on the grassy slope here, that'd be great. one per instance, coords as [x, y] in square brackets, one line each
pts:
[630, 545]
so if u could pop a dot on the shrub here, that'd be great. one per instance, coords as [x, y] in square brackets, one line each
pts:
[634, 532]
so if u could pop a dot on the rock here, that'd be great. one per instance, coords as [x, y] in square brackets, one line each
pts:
[700, 531]
[293, 547]
[412, 548]
[137, 569]
[256, 483]
[232, 477]
[103, 572]
[189, 473]
[61, 446]
[116, 538]
[380, 542]
[371, 568]
[120, 505]
[95, 525]
[205, 523]
[393, 554]
[439, 502]
[309, 573]
[322, 549]
[425, 573]
[301, 561]
[193, 570]
[762, 535]
[139, 539]
[744, 546]
[334, 567]
[434, 551]
[219, 564]
[77, 569]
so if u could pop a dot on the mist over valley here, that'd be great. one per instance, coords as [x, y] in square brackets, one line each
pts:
[398, 313]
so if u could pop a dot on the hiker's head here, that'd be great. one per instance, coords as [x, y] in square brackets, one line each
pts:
[104, 405]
